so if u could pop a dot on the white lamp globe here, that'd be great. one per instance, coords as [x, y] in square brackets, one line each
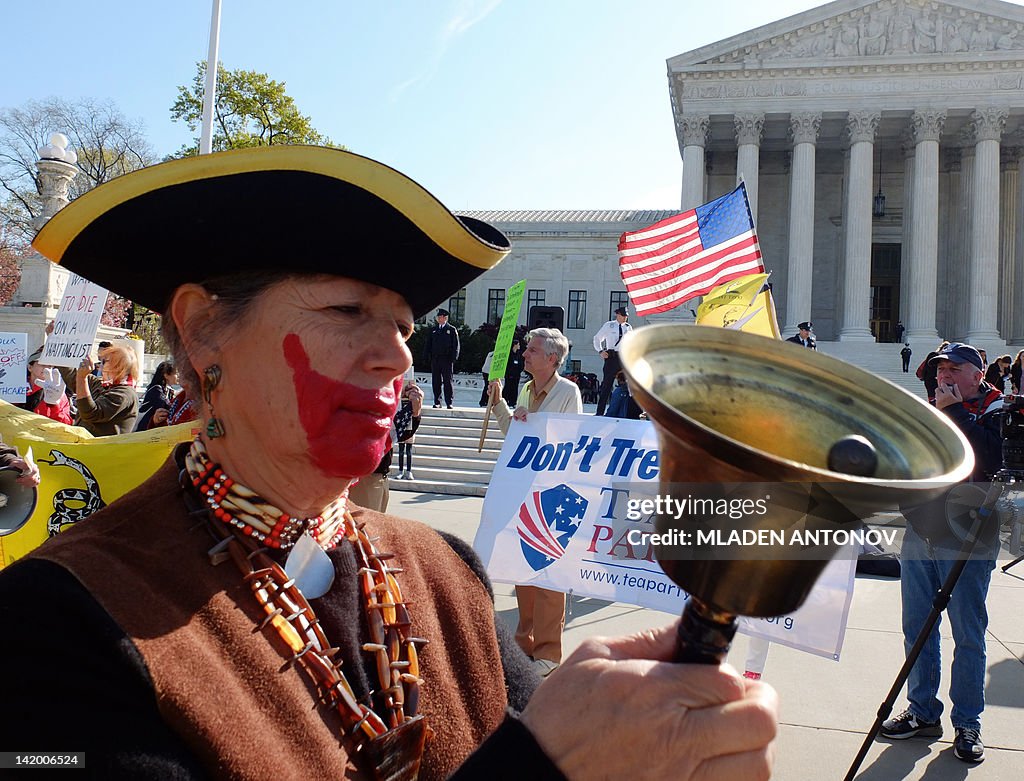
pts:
[59, 140]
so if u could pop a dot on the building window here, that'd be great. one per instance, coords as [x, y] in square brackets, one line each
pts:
[617, 299]
[457, 308]
[534, 298]
[577, 315]
[495, 305]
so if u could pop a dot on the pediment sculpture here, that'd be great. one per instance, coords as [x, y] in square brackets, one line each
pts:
[887, 28]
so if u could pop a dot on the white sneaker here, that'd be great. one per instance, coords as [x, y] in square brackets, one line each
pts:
[409, 475]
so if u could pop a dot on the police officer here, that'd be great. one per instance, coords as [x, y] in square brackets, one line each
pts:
[442, 351]
[803, 336]
[606, 342]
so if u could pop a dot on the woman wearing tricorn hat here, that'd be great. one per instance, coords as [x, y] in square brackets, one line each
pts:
[233, 617]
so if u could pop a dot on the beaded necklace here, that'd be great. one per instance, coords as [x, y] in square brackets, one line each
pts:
[387, 745]
[246, 510]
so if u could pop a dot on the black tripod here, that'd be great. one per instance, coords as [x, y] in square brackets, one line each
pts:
[981, 516]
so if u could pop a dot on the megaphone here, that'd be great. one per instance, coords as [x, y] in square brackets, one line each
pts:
[17, 501]
[734, 407]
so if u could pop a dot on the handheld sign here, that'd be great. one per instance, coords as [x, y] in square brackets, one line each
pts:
[503, 346]
[78, 318]
[507, 329]
[13, 367]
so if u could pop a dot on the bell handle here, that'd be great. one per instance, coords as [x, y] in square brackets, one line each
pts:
[705, 634]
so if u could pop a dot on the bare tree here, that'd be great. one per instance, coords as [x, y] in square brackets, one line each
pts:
[107, 143]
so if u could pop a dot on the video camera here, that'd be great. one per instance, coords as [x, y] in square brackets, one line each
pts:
[1011, 428]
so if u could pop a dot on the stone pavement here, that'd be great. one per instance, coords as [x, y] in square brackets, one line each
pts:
[827, 707]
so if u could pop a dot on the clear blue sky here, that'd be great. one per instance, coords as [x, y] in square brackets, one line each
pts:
[491, 104]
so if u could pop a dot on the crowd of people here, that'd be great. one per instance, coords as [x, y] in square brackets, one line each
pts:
[260, 561]
[338, 641]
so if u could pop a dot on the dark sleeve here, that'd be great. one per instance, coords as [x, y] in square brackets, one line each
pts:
[9, 453]
[520, 679]
[510, 753]
[77, 683]
[106, 405]
[985, 438]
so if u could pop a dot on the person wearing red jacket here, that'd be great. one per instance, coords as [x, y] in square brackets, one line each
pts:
[47, 395]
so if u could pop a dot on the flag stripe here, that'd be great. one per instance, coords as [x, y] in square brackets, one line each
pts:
[640, 272]
[705, 270]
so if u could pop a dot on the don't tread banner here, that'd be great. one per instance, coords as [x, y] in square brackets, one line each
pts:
[557, 515]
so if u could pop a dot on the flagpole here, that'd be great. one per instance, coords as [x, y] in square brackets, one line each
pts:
[210, 93]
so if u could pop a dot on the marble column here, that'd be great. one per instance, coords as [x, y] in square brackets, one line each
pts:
[861, 126]
[958, 167]
[804, 129]
[924, 227]
[1009, 161]
[694, 133]
[748, 154]
[987, 127]
[1017, 321]
[907, 148]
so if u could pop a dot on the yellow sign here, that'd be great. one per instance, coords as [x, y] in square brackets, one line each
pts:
[79, 473]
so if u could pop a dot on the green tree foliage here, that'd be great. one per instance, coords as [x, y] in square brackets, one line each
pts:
[251, 109]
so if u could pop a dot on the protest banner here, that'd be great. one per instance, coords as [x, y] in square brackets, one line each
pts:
[13, 367]
[79, 474]
[556, 515]
[74, 328]
[507, 329]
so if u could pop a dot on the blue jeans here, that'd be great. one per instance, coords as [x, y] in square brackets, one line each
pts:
[923, 572]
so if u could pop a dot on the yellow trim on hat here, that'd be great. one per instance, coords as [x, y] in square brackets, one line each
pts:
[396, 189]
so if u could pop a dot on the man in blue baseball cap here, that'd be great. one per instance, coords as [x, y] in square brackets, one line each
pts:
[930, 548]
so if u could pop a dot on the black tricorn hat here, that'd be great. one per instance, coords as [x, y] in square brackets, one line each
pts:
[292, 208]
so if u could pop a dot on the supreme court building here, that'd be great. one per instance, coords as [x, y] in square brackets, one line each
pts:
[880, 143]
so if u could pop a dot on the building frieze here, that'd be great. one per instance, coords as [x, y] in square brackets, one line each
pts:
[885, 29]
[824, 83]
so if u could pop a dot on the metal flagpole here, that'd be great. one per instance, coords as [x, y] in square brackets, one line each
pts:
[210, 93]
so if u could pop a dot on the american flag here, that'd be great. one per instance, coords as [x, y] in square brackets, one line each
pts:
[685, 256]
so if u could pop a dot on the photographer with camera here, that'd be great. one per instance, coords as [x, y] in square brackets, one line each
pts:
[930, 549]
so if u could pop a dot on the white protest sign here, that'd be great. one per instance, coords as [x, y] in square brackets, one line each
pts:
[13, 367]
[74, 328]
[555, 516]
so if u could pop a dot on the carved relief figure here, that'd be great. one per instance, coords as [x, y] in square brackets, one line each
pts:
[926, 35]
[1008, 40]
[954, 42]
[872, 35]
[982, 39]
[846, 39]
[901, 31]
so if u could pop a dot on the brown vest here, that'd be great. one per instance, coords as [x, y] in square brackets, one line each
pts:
[220, 683]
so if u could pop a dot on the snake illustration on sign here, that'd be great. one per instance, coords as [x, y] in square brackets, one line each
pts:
[86, 500]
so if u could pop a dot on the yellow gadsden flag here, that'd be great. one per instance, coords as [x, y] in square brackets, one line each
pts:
[744, 304]
[79, 474]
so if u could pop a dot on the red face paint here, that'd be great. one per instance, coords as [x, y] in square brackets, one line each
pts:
[346, 427]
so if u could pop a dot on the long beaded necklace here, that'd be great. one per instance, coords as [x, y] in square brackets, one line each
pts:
[388, 746]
